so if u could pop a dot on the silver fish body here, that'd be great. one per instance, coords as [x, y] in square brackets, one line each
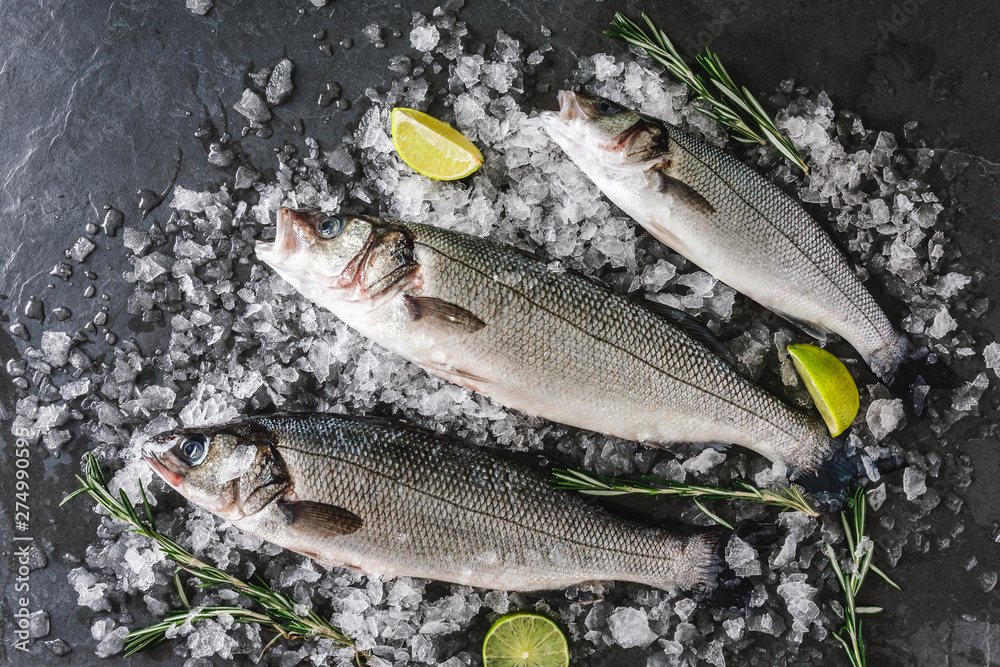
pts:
[735, 224]
[399, 501]
[547, 343]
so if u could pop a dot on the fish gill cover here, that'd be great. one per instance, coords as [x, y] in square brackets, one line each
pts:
[244, 342]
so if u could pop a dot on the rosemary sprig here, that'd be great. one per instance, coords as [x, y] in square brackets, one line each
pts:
[861, 551]
[280, 613]
[593, 484]
[737, 102]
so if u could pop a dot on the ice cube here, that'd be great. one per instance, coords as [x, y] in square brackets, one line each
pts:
[90, 592]
[876, 497]
[81, 249]
[252, 107]
[199, 7]
[914, 483]
[705, 461]
[279, 85]
[798, 597]
[424, 38]
[55, 347]
[630, 628]
[884, 416]
[742, 557]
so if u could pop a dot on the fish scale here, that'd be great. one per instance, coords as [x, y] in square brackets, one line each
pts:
[429, 506]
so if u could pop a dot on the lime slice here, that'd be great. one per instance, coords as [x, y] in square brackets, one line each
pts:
[525, 639]
[432, 147]
[829, 383]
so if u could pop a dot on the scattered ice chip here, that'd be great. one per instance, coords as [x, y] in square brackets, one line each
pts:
[252, 107]
[89, 591]
[742, 557]
[943, 324]
[55, 347]
[991, 355]
[373, 32]
[199, 7]
[630, 628]
[705, 461]
[279, 85]
[424, 38]
[135, 240]
[155, 399]
[914, 483]
[966, 398]
[81, 249]
[876, 497]
[884, 416]
[798, 597]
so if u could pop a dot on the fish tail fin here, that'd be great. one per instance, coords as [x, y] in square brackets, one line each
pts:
[719, 585]
[908, 375]
[841, 468]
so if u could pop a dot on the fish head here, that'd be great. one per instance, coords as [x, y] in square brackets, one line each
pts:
[354, 254]
[233, 471]
[596, 131]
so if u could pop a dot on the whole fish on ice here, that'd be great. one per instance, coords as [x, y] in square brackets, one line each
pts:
[394, 500]
[735, 224]
[547, 343]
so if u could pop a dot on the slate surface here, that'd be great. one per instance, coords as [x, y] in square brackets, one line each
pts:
[97, 97]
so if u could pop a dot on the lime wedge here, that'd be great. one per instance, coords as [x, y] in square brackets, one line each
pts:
[432, 147]
[829, 383]
[525, 639]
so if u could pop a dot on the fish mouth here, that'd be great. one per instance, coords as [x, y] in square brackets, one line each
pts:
[160, 457]
[563, 125]
[172, 478]
[294, 234]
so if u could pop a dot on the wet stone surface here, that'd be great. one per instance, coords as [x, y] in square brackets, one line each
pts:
[140, 169]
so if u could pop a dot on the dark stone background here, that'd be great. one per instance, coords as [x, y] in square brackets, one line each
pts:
[96, 97]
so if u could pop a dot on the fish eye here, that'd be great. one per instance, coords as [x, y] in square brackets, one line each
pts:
[608, 108]
[330, 226]
[193, 449]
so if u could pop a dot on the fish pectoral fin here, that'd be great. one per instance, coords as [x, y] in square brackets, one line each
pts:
[442, 315]
[692, 326]
[319, 519]
[456, 375]
[806, 328]
[679, 189]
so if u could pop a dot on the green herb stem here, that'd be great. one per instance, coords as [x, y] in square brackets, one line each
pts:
[736, 104]
[861, 552]
[593, 484]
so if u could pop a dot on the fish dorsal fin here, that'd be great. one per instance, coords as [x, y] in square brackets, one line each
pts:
[319, 519]
[683, 191]
[691, 326]
[442, 315]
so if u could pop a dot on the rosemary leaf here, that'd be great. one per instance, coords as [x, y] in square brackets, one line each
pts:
[734, 108]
